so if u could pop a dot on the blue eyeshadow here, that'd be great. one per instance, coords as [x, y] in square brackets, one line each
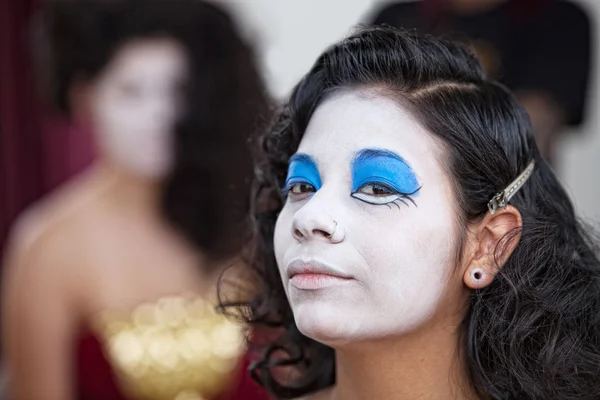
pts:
[303, 169]
[383, 166]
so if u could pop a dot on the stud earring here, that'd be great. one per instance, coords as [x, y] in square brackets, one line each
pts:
[478, 275]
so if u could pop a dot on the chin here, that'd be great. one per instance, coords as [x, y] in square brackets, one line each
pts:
[325, 324]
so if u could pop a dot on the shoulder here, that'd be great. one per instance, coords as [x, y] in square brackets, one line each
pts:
[41, 242]
[36, 254]
[36, 272]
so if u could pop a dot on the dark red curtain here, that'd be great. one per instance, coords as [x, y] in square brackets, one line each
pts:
[21, 178]
[38, 151]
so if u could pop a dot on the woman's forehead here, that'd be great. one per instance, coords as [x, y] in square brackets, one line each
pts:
[350, 121]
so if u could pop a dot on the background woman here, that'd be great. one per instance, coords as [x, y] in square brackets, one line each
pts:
[110, 281]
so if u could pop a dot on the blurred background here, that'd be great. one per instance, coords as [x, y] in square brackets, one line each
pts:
[40, 149]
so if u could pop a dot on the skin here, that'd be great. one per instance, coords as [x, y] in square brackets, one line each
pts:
[403, 294]
[388, 268]
[99, 242]
[135, 103]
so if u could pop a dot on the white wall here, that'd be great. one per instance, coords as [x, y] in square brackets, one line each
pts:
[291, 34]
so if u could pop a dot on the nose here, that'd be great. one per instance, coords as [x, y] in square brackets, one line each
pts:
[313, 228]
[314, 221]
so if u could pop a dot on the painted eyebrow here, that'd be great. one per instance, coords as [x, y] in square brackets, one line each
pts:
[369, 154]
[301, 157]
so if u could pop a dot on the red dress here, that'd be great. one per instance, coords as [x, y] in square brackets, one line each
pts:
[96, 379]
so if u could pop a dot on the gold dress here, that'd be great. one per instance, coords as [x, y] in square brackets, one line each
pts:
[177, 348]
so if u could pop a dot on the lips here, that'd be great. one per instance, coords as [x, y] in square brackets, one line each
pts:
[315, 269]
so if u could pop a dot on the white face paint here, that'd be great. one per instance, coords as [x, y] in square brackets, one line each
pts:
[395, 258]
[135, 103]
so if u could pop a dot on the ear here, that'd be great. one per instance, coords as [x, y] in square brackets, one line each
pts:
[489, 245]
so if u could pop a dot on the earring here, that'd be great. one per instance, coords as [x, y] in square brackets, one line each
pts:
[338, 233]
[477, 274]
[478, 277]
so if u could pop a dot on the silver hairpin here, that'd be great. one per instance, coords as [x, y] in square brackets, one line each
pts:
[500, 200]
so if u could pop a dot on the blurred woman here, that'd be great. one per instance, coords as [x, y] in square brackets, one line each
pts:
[109, 285]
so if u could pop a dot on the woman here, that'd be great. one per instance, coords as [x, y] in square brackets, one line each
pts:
[109, 288]
[422, 248]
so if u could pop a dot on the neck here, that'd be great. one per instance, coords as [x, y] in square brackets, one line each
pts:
[424, 365]
[127, 192]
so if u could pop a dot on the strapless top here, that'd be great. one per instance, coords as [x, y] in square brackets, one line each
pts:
[176, 348]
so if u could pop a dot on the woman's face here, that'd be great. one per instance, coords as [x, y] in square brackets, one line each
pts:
[135, 104]
[366, 241]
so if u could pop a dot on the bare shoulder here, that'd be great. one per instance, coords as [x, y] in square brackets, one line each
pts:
[61, 211]
[42, 296]
[35, 251]
[42, 237]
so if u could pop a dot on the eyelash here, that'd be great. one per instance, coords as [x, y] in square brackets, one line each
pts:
[287, 191]
[399, 197]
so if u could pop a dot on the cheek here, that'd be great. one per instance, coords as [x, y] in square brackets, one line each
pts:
[117, 119]
[282, 237]
[409, 258]
[115, 126]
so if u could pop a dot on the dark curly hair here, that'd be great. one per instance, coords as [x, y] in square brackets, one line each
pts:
[534, 332]
[206, 194]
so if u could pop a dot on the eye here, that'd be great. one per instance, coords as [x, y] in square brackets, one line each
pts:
[380, 194]
[376, 189]
[301, 187]
[299, 190]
